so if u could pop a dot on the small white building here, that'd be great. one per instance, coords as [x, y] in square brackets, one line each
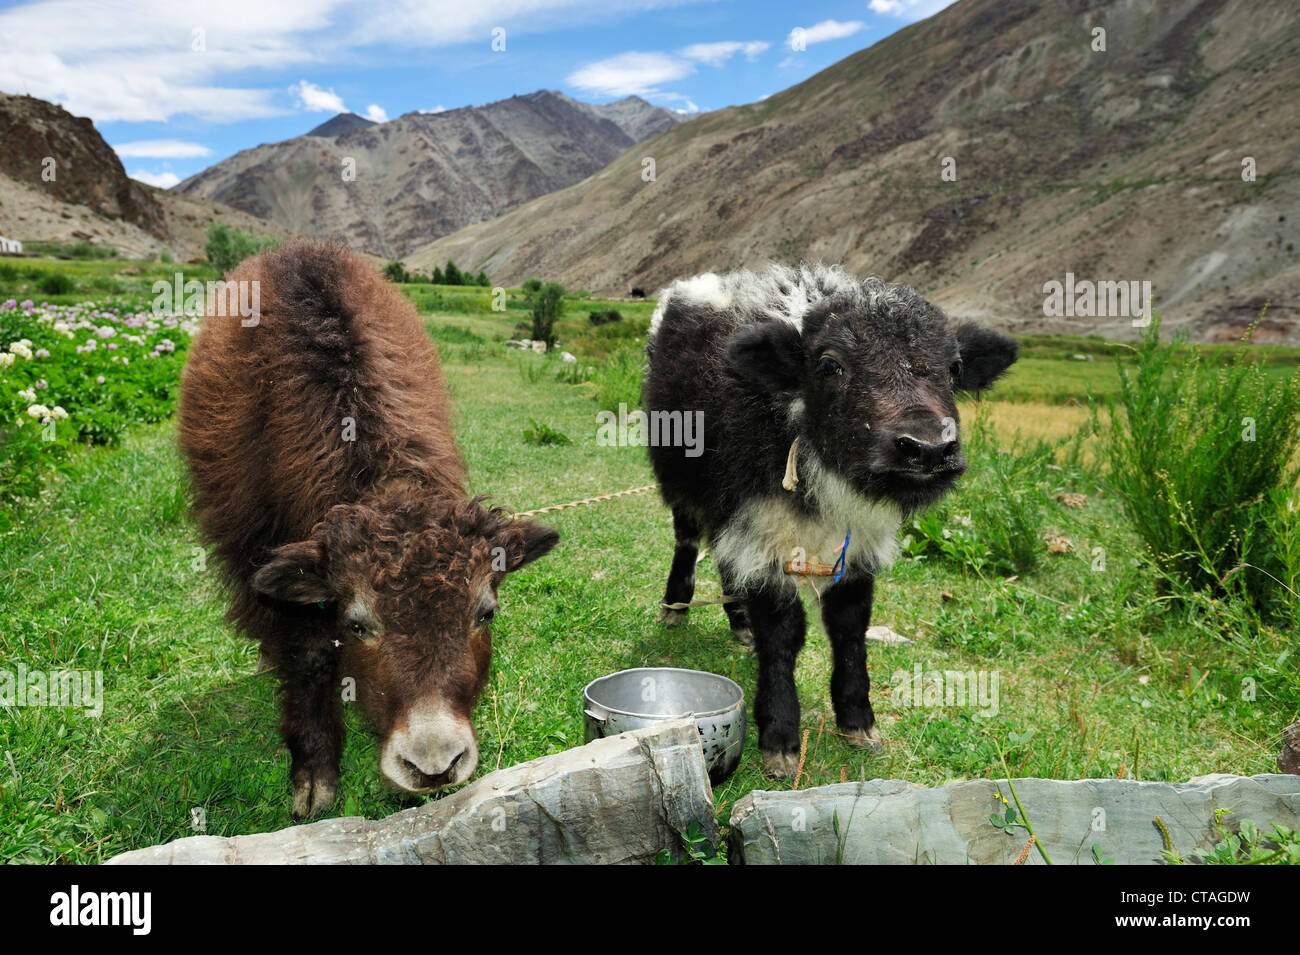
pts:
[10, 246]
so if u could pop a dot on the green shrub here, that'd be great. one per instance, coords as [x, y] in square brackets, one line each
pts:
[604, 318]
[226, 247]
[617, 380]
[544, 434]
[395, 272]
[1201, 456]
[546, 301]
[56, 283]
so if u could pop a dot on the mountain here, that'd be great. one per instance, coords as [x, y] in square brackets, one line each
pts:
[84, 193]
[46, 146]
[1117, 164]
[340, 124]
[392, 187]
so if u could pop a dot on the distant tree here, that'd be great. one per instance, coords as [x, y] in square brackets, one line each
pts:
[226, 247]
[546, 300]
[482, 279]
[437, 276]
[451, 275]
[396, 272]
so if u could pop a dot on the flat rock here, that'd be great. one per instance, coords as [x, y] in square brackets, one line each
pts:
[615, 800]
[894, 822]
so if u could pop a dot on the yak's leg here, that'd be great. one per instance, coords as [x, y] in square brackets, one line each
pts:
[846, 612]
[312, 721]
[737, 614]
[779, 625]
[681, 577]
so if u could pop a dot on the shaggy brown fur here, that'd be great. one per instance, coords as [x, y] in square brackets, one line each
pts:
[326, 477]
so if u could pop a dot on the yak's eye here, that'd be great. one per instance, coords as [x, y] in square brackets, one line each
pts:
[356, 628]
[828, 366]
[485, 617]
[955, 371]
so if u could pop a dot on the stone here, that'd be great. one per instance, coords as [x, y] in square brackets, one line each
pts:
[894, 822]
[616, 800]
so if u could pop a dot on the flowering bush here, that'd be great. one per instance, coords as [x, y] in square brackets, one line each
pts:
[83, 373]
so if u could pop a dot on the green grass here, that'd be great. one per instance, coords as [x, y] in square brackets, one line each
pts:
[1099, 674]
[129, 282]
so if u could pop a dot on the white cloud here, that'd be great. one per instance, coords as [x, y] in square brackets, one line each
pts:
[437, 109]
[630, 74]
[715, 54]
[162, 149]
[163, 180]
[801, 37]
[909, 10]
[376, 113]
[151, 60]
[316, 100]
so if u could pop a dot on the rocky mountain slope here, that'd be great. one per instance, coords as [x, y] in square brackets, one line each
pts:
[1117, 164]
[45, 145]
[88, 197]
[392, 187]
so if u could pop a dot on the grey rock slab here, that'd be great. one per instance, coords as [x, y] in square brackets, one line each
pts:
[898, 823]
[616, 800]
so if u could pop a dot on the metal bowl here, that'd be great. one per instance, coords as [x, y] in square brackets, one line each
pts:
[634, 699]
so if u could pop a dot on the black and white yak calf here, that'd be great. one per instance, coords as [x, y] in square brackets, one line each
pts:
[828, 418]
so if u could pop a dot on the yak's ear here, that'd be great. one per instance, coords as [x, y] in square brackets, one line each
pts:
[985, 355]
[295, 573]
[522, 542]
[768, 354]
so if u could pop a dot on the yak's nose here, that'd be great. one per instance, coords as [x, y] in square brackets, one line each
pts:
[925, 455]
[433, 780]
[433, 749]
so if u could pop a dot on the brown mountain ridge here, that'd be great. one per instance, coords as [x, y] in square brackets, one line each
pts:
[1122, 164]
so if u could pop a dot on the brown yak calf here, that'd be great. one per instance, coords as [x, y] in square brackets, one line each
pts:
[327, 480]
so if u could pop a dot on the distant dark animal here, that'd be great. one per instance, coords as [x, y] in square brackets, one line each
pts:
[828, 418]
[605, 317]
[326, 478]
[638, 293]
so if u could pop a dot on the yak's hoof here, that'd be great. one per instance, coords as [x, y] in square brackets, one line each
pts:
[780, 765]
[744, 635]
[671, 618]
[867, 739]
[311, 797]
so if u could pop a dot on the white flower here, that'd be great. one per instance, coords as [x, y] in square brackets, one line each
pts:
[6, 359]
[38, 411]
[58, 413]
[27, 394]
[22, 350]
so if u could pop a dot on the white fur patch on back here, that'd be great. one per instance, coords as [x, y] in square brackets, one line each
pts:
[779, 291]
[766, 532]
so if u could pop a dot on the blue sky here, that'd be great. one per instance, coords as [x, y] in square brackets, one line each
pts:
[176, 85]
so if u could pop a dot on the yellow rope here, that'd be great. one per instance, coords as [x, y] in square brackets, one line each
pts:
[586, 500]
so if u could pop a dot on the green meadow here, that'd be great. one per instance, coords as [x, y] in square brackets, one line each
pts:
[1032, 574]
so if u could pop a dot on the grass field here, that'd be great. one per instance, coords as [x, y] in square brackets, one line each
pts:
[1098, 672]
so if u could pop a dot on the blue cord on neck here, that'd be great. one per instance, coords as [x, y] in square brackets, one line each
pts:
[841, 564]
